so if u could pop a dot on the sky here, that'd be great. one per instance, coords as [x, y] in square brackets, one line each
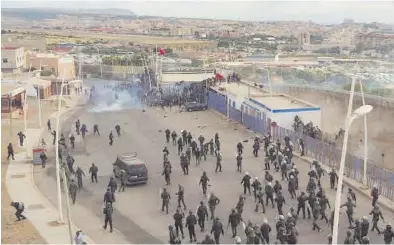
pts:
[323, 11]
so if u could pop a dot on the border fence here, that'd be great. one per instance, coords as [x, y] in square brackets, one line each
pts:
[319, 150]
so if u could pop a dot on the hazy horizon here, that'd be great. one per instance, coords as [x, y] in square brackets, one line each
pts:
[324, 12]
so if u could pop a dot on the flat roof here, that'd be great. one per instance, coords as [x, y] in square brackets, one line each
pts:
[241, 89]
[9, 88]
[36, 82]
[187, 77]
[282, 103]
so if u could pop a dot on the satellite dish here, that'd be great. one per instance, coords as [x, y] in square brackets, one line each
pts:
[31, 91]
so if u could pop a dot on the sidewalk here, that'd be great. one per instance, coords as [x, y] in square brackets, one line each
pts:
[21, 187]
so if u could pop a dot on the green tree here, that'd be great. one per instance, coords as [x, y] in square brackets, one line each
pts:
[196, 63]
[360, 47]
[357, 87]
[223, 44]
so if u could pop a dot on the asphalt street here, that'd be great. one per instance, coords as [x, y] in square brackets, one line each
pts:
[138, 217]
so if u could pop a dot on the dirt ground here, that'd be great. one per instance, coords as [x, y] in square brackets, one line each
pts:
[12, 231]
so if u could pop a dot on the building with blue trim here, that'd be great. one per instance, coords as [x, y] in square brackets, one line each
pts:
[279, 108]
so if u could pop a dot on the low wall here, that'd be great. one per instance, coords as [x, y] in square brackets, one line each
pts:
[321, 151]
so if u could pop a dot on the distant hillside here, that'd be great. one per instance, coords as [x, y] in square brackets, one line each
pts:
[39, 14]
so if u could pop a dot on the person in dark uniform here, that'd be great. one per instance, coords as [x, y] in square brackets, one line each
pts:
[72, 141]
[234, 221]
[208, 240]
[117, 128]
[111, 138]
[43, 158]
[109, 196]
[108, 211]
[174, 136]
[388, 234]
[22, 137]
[10, 150]
[376, 214]
[49, 126]
[217, 229]
[165, 197]
[181, 196]
[204, 183]
[73, 190]
[173, 238]
[202, 213]
[213, 201]
[191, 222]
[239, 163]
[218, 163]
[123, 178]
[54, 137]
[19, 207]
[265, 230]
[374, 195]
[246, 183]
[178, 218]
[79, 173]
[96, 130]
[93, 170]
[349, 210]
[168, 133]
[333, 178]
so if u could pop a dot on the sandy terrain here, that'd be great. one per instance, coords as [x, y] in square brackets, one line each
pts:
[130, 38]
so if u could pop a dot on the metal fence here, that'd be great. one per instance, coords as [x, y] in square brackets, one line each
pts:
[319, 150]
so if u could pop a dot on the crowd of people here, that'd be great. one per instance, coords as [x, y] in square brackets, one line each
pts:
[312, 203]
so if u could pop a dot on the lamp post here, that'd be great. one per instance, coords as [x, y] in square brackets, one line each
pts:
[361, 111]
[59, 193]
[67, 206]
[365, 138]
[25, 124]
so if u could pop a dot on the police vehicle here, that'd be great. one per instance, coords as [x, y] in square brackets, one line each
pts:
[136, 170]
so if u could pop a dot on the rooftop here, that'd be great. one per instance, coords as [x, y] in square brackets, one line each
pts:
[280, 102]
[241, 89]
[9, 48]
[187, 77]
[36, 82]
[11, 88]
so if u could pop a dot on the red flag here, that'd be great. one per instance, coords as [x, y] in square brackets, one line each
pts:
[219, 77]
[162, 51]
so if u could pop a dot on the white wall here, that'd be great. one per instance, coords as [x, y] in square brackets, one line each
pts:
[286, 119]
[237, 99]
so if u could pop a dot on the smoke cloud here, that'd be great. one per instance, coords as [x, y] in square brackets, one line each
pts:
[103, 98]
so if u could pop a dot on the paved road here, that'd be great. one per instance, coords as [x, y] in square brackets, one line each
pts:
[138, 218]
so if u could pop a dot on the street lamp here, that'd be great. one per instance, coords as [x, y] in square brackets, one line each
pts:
[25, 123]
[359, 112]
[59, 193]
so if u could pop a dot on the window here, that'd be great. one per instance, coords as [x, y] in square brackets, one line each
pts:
[5, 60]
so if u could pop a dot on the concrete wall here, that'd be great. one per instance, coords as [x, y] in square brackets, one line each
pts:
[333, 111]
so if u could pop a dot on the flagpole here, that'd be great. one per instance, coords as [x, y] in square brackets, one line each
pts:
[39, 100]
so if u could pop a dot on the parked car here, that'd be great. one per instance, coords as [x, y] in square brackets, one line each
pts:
[136, 169]
[195, 106]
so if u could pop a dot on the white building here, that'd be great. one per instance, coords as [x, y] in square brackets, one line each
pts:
[279, 108]
[12, 59]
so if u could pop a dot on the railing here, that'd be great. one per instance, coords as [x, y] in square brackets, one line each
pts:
[321, 151]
